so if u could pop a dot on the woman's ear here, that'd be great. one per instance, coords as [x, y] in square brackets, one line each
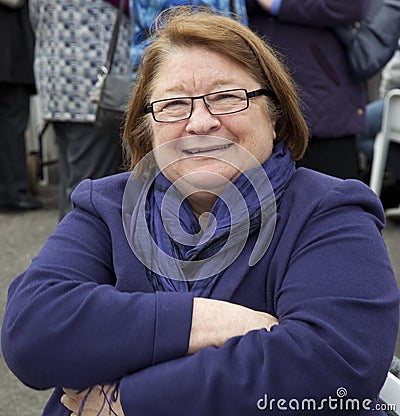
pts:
[273, 123]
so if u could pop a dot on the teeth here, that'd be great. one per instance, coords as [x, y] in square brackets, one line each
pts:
[194, 151]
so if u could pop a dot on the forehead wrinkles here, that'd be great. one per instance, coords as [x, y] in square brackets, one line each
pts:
[195, 79]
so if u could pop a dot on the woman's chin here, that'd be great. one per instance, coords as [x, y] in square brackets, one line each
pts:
[208, 178]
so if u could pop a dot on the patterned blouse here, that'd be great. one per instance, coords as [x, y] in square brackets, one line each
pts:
[144, 12]
[72, 38]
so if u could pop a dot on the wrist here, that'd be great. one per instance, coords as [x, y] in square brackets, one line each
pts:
[270, 6]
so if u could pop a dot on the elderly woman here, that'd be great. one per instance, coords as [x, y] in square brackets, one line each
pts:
[126, 313]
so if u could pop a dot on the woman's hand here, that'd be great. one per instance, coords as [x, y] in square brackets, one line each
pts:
[265, 4]
[97, 401]
[215, 321]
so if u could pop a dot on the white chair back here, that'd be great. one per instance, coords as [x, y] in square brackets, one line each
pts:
[390, 132]
[390, 393]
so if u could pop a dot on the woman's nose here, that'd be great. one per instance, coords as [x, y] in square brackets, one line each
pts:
[201, 120]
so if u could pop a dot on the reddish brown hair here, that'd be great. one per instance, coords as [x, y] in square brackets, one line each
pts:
[184, 27]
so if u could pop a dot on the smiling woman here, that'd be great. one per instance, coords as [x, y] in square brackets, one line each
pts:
[215, 272]
[200, 70]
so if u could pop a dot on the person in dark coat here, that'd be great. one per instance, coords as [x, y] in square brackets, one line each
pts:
[16, 85]
[332, 103]
[72, 38]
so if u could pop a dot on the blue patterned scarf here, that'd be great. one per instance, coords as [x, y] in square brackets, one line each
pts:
[237, 214]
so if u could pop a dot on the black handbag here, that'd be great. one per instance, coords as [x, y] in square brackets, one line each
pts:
[112, 92]
[372, 42]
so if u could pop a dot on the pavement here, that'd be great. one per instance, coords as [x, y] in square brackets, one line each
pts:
[22, 235]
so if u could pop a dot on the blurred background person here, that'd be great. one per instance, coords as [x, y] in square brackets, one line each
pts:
[390, 194]
[72, 38]
[16, 85]
[332, 103]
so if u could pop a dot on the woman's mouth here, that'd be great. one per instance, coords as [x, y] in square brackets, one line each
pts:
[205, 150]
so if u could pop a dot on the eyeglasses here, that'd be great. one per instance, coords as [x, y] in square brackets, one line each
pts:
[217, 103]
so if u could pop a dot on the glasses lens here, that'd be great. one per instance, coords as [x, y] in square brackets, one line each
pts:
[173, 109]
[225, 102]
[218, 103]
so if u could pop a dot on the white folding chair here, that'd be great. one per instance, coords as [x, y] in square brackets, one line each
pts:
[390, 393]
[390, 132]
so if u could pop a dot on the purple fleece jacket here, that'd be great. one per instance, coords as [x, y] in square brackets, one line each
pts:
[84, 312]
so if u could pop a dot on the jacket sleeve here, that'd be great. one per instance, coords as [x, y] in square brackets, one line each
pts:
[322, 13]
[337, 305]
[66, 324]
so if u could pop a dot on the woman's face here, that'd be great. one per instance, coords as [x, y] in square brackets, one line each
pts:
[205, 151]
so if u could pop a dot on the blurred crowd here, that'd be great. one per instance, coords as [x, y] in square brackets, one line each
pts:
[55, 50]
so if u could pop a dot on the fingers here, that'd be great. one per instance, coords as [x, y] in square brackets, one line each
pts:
[70, 403]
[92, 401]
[72, 399]
[74, 393]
